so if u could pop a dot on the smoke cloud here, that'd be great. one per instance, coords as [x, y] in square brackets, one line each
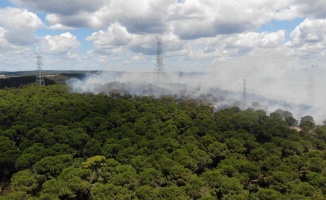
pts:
[295, 89]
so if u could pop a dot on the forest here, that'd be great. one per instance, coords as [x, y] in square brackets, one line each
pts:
[56, 144]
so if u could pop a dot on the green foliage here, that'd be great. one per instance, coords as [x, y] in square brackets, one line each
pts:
[59, 145]
[221, 184]
[291, 121]
[109, 191]
[51, 166]
[307, 122]
[24, 181]
[267, 194]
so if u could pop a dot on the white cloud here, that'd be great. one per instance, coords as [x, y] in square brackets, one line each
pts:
[59, 44]
[309, 31]
[309, 39]
[143, 16]
[208, 18]
[257, 40]
[259, 48]
[118, 41]
[6, 46]
[190, 20]
[313, 8]
[115, 39]
[302, 8]
[61, 7]
[224, 47]
[15, 18]
[20, 26]
[55, 23]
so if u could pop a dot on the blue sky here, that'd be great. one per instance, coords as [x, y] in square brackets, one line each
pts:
[120, 35]
[5, 3]
[288, 25]
[276, 25]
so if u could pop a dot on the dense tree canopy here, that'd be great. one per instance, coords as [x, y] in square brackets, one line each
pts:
[55, 144]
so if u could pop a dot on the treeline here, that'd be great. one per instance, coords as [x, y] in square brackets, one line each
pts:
[55, 144]
[19, 81]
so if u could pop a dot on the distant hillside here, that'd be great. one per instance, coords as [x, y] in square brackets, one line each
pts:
[21, 78]
[21, 81]
[46, 72]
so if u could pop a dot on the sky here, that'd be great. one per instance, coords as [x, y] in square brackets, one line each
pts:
[198, 35]
[279, 47]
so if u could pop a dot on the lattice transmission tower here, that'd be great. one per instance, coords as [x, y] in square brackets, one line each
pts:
[39, 75]
[159, 69]
[244, 94]
[311, 84]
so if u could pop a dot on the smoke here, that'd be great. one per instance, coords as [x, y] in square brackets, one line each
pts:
[295, 89]
[141, 84]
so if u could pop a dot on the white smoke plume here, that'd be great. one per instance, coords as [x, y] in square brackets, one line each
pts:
[295, 89]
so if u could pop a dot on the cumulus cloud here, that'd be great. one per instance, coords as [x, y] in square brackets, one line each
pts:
[255, 40]
[12, 57]
[309, 38]
[309, 31]
[313, 8]
[60, 6]
[6, 46]
[115, 38]
[62, 16]
[20, 26]
[59, 44]
[195, 19]
[190, 20]
[137, 16]
[301, 8]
